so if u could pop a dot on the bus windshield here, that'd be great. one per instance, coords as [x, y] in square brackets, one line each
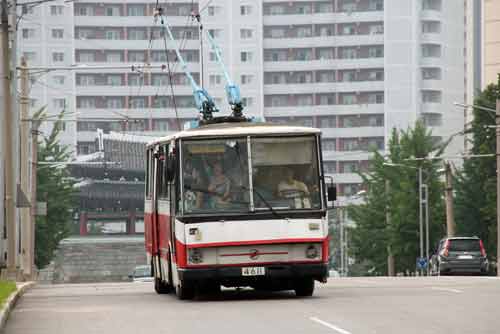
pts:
[216, 177]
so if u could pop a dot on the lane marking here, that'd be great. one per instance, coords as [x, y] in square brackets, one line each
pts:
[329, 325]
[446, 289]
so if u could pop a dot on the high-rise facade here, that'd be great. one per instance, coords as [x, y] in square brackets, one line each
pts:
[490, 42]
[354, 68]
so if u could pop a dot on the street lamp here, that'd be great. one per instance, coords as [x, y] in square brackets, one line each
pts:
[421, 202]
[497, 122]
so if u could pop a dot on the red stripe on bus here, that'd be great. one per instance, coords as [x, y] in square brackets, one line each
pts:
[180, 254]
[253, 264]
[326, 249]
[259, 253]
[256, 242]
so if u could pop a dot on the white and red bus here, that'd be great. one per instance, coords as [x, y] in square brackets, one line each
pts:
[237, 204]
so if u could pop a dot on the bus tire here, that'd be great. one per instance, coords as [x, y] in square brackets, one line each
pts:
[184, 291]
[161, 287]
[304, 287]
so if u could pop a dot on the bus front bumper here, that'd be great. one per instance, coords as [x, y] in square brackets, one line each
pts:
[317, 271]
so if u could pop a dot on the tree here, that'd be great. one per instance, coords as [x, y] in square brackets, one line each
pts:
[475, 184]
[55, 187]
[372, 236]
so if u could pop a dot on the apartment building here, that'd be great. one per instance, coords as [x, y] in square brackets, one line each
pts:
[354, 68]
[490, 42]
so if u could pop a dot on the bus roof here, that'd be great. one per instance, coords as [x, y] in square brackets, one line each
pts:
[235, 129]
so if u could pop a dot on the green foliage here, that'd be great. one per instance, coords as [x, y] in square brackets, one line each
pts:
[475, 184]
[6, 288]
[372, 235]
[55, 187]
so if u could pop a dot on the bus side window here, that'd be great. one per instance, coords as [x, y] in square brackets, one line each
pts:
[162, 173]
[148, 173]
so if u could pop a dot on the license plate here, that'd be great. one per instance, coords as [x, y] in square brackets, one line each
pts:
[253, 271]
[465, 257]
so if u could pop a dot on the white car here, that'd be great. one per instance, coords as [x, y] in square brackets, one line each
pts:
[333, 273]
[141, 274]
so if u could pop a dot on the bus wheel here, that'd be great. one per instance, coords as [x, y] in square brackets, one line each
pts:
[184, 291]
[304, 287]
[161, 287]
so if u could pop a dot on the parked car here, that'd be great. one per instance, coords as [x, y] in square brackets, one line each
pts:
[333, 273]
[464, 255]
[141, 274]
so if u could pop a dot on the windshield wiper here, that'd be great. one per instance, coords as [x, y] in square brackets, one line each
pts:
[264, 201]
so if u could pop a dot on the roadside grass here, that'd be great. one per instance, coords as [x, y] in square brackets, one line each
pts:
[6, 288]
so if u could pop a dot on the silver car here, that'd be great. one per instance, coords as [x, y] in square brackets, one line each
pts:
[141, 274]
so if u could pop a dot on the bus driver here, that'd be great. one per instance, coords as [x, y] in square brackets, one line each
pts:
[291, 188]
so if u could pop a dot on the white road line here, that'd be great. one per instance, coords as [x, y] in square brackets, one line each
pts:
[446, 289]
[329, 325]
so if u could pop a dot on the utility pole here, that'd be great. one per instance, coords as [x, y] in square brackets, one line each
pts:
[498, 178]
[390, 256]
[426, 187]
[450, 219]
[341, 221]
[8, 142]
[26, 221]
[420, 214]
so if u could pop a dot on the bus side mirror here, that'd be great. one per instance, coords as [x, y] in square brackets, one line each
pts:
[331, 193]
[171, 163]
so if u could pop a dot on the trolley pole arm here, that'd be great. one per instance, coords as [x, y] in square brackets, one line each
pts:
[232, 90]
[204, 102]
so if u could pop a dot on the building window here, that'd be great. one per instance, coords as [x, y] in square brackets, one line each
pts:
[137, 102]
[114, 57]
[114, 102]
[431, 50]
[58, 103]
[431, 96]
[214, 10]
[431, 5]
[135, 80]
[88, 102]
[57, 33]
[58, 79]
[245, 10]
[215, 33]
[137, 34]
[136, 10]
[431, 73]
[28, 33]
[348, 99]
[431, 27]
[328, 122]
[246, 79]
[138, 56]
[214, 79]
[328, 144]
[86, 80]
[348, 53]
[86, 11]
[56, 10]
[246, 33]
[247, 101]
[114, 80]
[28, 10]
[330, 167]
[246, 56]
[29, 55]
[112, 34]
[86, 56]
[57, 56]
[113, 11]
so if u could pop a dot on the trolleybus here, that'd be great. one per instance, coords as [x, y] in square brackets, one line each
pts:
[237, 204]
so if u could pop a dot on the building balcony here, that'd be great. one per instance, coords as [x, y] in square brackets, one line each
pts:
[142, 113]
[121, 67]
[323, 64]
[433, 38]
[323, 41]
[431, 108]
[365, 131]
[322, 110]
[432, 84]
[329, 87]
[433, 15]
[347, 155]
[86, 136]
[130, 90]
[324, 18]
[124, 44]
[124, 21]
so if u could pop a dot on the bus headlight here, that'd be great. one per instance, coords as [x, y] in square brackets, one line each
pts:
[195, 256]
[312, 252]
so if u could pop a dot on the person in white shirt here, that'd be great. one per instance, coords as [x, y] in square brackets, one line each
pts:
[294, 189]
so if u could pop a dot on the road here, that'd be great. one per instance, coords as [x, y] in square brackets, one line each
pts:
[344, 305]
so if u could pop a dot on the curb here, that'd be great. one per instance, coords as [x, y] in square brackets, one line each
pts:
[10, 303]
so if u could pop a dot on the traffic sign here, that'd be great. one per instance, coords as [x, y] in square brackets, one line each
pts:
[422, 263]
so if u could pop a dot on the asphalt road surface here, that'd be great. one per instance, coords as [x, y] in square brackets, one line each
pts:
[442, 305]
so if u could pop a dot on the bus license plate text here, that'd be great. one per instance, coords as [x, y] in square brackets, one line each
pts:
[253, 271]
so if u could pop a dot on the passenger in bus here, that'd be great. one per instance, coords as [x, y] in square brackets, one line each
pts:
[193, 185]
[262, 184]
[294, 189]
[219, 186]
